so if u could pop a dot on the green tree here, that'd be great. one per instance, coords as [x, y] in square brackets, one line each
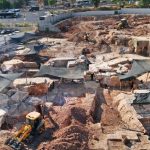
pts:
[19, 4]
[96, 2]
[45, 2]
[4, 4]
[145, 3]
[51, 2]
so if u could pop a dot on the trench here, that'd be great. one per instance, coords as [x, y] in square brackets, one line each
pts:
[99, 100]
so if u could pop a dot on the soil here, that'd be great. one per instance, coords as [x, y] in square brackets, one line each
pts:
[85, 121]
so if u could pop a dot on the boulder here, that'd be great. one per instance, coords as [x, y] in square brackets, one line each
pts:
[12, 65]
[2, 116]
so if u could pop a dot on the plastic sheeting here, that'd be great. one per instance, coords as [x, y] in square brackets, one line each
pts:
[139, 67]
[6, 79]
[142, 98]
[67, 73]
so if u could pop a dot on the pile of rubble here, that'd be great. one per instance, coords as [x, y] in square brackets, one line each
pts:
[85, 80]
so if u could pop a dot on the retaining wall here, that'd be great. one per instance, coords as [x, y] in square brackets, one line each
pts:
[93, 13]
[135, 11]
[49, 21]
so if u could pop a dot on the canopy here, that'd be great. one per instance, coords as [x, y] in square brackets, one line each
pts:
[68, 73]
[139, 67]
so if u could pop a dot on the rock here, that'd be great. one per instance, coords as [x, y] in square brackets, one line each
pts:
[12, 65]
[2, 117]
[4, 100]
[30, 65]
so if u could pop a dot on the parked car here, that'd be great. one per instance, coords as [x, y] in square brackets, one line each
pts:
[8, 31]
[34, 8]
[10, 13]
[67, 4]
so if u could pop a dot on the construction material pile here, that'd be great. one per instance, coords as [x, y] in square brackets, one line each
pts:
[72, 137]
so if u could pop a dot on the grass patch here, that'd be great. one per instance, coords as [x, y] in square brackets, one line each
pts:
[23, 24]
[2, 25]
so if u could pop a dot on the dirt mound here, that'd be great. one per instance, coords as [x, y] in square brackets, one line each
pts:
[70, 138]
[38, 90]
[141, 31]
[110, 116]
[74, 113]
[4, 136]
[89, 18]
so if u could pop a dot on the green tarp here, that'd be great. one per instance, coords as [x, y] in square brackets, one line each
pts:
[139, 67]
[67, 73]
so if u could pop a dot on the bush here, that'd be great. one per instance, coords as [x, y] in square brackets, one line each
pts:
[109, 8]
[82, 9]
[130, 6]
[1, 25]
[22, 25]
[116, 12]
[47, 30]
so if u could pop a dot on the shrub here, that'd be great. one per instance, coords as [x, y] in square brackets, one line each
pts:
[22, 25]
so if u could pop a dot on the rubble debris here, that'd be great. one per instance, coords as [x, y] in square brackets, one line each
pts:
[71, 137]
[75, 76]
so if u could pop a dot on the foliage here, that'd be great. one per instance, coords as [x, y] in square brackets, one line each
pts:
[109, 8]
[2, 25]
[47, 30]
[19, 4]
[22, 24]
[96, 2]
[4, 4]
[51, 2]
[145, 3]
[45, 2]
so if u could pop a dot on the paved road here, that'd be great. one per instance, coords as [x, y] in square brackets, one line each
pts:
[31, 17]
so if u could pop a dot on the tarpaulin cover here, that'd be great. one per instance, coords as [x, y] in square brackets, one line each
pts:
[139, 67]
[6, 79]
[23, 37]
[67, 73]
[142, 98]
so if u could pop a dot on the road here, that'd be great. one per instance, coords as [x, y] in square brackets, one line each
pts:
[30, 17]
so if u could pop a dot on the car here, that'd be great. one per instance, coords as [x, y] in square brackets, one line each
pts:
[34, 8]
[67, 4]
[7, 31]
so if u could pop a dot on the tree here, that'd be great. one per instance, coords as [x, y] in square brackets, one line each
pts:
[4, 4]
[45, 2]
[145, 3]
[19, 4]
[51, 2]
[96, 2]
